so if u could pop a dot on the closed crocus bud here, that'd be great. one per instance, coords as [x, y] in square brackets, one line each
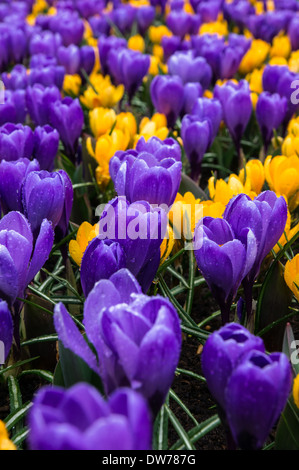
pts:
[190, 68]
[209, 10]
[265, 216]
[14, 107]
[16, 79]
[12, 176]
[255, 173]
[87, 58]
[181, 23]
[47, 76]
[106, 45]
[195, 134]
[256, 394]
[270, 113]
[46, 142]
[140, 229]
[69, 57]
[43, 198]
[60, 420]
[144, 18]
[167, 94]
[222, 352]
[123, 17]
[293, 33]
[209, 110]
[223, 259]
[21, 259]
[67, 117]
[6, 330]
[16, 141]
[69, 26]
[146, 174]
[118, 318]
[45, 42]
[192, 91]
[237, 108]
[128, 67]
[61, 229]
[100, 260]
[39, 100]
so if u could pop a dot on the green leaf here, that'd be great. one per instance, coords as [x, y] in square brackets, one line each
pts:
[13, 418]
[188, 185]
[74, 370]
[287, 434]
[160, 434]
[199, 431]
[273, 304]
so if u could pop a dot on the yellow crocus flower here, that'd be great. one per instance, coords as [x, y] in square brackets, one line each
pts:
[86, 232]
[295, 390]
[101, 120]
[281, 46]
[156, 33]
[101, 93]
[291, 275]
[5, 442]
[282, 175]
[255, 173]
[136, 43]
[72, 84]
[255, 56]
[167, 245]
[222, 191]
[156, 126]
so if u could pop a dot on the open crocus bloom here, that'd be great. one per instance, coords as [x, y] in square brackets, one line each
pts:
[137, 338]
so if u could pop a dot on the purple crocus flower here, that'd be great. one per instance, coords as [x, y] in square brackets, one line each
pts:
[123, 17]
[270, 113]
[145, 16]
[70, 58]
[209, 10]
[223, 259]
[279, 79]
[87, 58]
[47, 75]
[100, 260]
[140, 229]
[149, 173]
[60, 420]
[181, 23]
[106, 45]
[209, 109]
[237, 107]
[12, 176]
[192, 92]
[16, 141]
[222, 352]
[67, 117]
[45, 42]
[100, 26]
[238, 12]
[21, 259]
[190, 68]
[167, 94]
[129, 68]
[46, 142]
[44, 195]
[14, 107]
[6, 330]
[16, 79]
[293, 33]
[268, 25]
[69, 26]
[39, 100]
[256, 394]
[137, 338]
[265, 216]
[195, 134]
